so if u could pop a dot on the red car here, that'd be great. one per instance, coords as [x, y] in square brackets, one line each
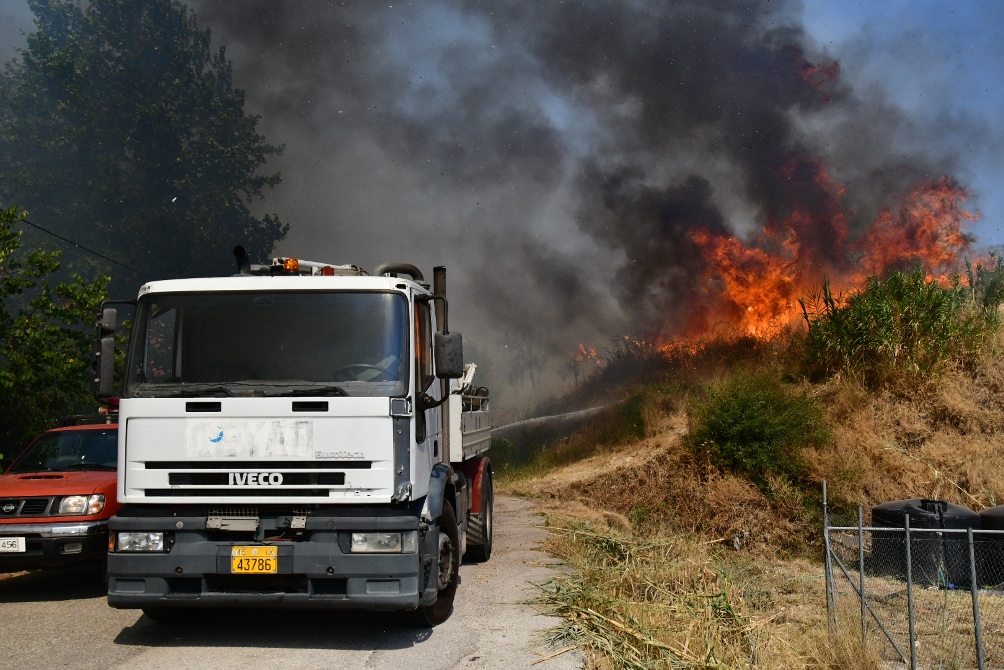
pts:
[56, 499]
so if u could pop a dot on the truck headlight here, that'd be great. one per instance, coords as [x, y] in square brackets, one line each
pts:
[385, 543]
[71, 505]
[130, 541]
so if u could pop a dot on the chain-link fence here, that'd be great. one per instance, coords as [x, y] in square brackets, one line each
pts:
[926, 598]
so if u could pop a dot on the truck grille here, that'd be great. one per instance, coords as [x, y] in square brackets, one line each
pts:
[288, 478]
[256, 583]
[268, 491]
[25, 507]
[259, 465]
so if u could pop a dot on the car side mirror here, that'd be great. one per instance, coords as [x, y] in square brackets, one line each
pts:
[449, 351]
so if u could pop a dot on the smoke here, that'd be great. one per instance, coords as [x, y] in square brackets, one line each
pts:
[559, 157]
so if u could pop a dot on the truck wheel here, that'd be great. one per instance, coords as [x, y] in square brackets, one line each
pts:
[479, 543]
[448, 575]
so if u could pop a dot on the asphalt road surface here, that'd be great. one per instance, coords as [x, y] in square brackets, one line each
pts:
[52, 620]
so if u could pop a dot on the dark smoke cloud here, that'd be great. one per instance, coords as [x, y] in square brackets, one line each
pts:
[556, 156]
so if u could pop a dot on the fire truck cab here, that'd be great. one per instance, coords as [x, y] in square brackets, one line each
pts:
[299, 435]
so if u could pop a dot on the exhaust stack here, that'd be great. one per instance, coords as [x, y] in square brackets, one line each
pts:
[399, 268]
[439, 291]
[243, 261]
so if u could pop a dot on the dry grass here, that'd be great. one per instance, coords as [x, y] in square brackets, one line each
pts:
[657, 485]
[942, 439]
[682, 602]
[604, 433]
[678, 564]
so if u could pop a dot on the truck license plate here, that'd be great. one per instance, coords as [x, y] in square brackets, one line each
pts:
[13, 544]
[260, 560]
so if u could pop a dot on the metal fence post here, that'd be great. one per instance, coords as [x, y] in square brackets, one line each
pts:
[909, 595]
[975, 588]
[831, 596]
[861, 576]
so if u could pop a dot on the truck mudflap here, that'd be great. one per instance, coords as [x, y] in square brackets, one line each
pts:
[315, 566]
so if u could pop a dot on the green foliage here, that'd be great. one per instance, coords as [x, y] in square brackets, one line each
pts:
[628, 424]
[903, 325]
[638, 514]
[753, 424]
[119, 126]
[503, 452]
[45, 347]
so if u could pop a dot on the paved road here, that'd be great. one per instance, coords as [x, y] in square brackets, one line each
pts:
[61, 620]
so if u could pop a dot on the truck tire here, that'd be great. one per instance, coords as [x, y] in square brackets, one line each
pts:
[448, 573]
[479, 536]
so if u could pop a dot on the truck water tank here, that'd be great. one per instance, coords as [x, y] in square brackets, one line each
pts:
[937, 559]
[992, 546]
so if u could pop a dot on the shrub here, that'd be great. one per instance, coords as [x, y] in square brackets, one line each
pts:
[628, 424]
[903, 325]
[503, 452]
[753, 424]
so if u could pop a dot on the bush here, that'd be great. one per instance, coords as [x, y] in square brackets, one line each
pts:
[753, 424]
[902, 326]
[628, 424]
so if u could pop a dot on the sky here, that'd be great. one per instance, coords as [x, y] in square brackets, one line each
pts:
[559, 157]
[943, 62]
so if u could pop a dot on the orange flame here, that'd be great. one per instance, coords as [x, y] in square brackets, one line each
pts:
[587, 354]
[754, 286]
[928, 227]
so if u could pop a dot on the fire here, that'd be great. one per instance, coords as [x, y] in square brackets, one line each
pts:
[586, 354]
[927, 227]
[758, 286]
[754, 286]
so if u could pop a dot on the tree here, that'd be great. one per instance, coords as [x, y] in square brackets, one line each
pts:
[45, 341]
[526, 357]
[121, 128]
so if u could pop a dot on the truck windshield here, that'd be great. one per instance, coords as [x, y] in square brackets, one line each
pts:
[62, 451]
[278, 343]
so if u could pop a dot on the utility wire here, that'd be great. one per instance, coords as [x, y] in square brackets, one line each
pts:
[37, 239]
[90, 251]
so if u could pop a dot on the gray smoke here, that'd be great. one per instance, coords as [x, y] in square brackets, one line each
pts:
[556, 156]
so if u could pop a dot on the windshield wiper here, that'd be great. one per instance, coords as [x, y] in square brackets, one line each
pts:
[312, 391]
[196, 392]
[89, 466]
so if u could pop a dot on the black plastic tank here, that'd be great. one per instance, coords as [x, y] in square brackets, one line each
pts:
[937, 559]
[992, 546]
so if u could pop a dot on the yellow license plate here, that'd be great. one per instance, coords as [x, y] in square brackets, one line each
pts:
[260, 560]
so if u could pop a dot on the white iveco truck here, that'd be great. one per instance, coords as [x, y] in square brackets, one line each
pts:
[297, 435]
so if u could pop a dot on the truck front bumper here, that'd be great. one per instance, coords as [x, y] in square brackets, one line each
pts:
[55, 545]
[315, 571]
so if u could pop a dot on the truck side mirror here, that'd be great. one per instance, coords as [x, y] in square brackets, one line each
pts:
[108, 321]
[103, 379]
[449, 350]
